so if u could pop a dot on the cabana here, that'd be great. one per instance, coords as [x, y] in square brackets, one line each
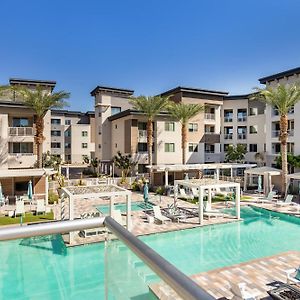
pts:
[208, 185]
[271, 176]
[78, 194]
[178, 170]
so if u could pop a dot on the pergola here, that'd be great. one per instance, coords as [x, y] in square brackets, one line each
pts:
[208, 185]
[266, 172]
[200, 167]
[85, 193]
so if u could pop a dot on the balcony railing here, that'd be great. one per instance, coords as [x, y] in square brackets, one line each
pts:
[228, 119]
[276, 133]
[242, 136]
[242, 118]
[209, 151]
[209, 116]
[21, 154]
[21, 131]
[228, 136]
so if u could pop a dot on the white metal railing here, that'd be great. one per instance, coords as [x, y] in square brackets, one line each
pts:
[242, 136]
[209, 116]
[21, 154]
[276, 133]
[228, 136]
[228, 119]
[242, 118]
[21, 131]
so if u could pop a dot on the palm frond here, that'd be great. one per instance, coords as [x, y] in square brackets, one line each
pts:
[184, 112]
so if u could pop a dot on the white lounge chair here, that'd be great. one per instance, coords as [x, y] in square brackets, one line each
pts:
[158, 215]
[182, 194]
[240, 291]
[210, 212]
[287, 201]
[292, 276]
[40, 207]
[20, 208]
[268, 199]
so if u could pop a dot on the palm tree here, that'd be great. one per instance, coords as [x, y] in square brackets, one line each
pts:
[150, 107]
[40, 101]
[282, 98]
[182, 113]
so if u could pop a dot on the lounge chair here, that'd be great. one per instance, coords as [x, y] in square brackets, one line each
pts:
[287, 201]
[182, 194]
[40, 206]
[292, 276]
[240, 291]
[268, 199]
[158, 215]
[20, 209]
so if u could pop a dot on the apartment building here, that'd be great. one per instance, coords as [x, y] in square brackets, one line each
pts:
[72, 135]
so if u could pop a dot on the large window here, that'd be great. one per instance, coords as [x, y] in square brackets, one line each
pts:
[22, 147]
[252, 147]
[193, 127]
[84, 133]
[67, 122]
[169, 147]
[193, 147]
[169, 126]
[209, 148]
[55, 133]
[228, 115]
[115, 110]
[55, 145]
[21, 122]
[55, 121]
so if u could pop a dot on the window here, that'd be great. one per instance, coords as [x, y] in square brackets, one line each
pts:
[228, 115]
[67, 145]
[67, 122]
[55, 133]
[21, 122]
[253, 111]
[193, 127]
[115, 110]
[142, 168]
[292, 109]
[253, 129]
[116, 126]
[142, 126]
[67, 133]
[55, 145]
[169, 126]
[21, 186]
[68, 158]
[276, 148]
[290, 147]
[209, 148]
[142, 147]
[116, 145]
[22, 147]
[242, 115]
[84, 133]
[169, 147]
[252, 147]
[55, 121]
[99, 146]
[242, 132]
[84, 145]
[193, 147]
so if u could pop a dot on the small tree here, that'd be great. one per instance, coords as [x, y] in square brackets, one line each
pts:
[125, 164]
[51, 160]
[92, 162]
[235, 154]
[259, 158]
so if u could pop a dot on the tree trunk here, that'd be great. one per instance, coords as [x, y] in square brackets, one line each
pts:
[149, 146]
[183, 141]
[283, 136]
[39, 138]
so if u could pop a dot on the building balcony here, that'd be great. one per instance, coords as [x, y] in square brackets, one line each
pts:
[20, 131]
[209, 116]
[21, 160]
[276, 133]
[242, 136]
[228, 136]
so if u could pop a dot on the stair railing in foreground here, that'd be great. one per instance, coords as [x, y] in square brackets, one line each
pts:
[182, 284]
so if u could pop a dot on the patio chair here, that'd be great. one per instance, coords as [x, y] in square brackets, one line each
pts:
[20, 208]
[268, 199]
[182, 194]
[241, 291]
[40, 206]
[292, 276]
[287, 201]
[158, 215]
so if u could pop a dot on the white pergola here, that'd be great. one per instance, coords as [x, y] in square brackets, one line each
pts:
[85, 193]
[199, 167]
[266, 172]
[208, 185]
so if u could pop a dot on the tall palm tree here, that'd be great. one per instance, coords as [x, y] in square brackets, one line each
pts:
[150, 106]
[40, 101]
[283, 98]
[183, 113]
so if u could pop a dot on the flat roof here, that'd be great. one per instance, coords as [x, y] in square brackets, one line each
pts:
[179, 89]
[237, 97]
[10, 173]
[280, 75]
[51, 83]
[133, 112]
[263, 170]
[213, 166]
[71, 112]
[107, 89]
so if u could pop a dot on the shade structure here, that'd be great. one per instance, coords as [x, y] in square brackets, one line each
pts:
[29, 190]
[146, 192]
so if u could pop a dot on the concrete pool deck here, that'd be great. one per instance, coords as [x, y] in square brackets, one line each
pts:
[260, 275]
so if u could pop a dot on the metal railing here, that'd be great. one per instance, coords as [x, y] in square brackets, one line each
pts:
[228, 118]
[242, 136]
[242, 118]
[228, 136]
[182, 284]
[21, 131]
[209, 116]
[276, 133]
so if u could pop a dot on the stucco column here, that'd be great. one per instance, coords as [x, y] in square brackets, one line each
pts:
[46, 189]
[218, 174]
[166, 177]
[128, 219]
[237, 201]
[231, 173]
[200, 205]
[245, 181]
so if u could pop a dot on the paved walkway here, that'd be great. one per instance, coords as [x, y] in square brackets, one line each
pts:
[260, 275]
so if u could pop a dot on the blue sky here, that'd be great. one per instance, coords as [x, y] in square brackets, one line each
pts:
[149, 46]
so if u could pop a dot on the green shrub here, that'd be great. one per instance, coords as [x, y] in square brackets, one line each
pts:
[160, 190]
[52, 197]
[135, 186]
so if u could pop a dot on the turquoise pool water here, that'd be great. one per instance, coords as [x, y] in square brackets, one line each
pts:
[42, 268]
[135, 206]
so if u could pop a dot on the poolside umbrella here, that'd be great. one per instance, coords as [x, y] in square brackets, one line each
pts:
[29, 190]
[259, 183]
[146, 192]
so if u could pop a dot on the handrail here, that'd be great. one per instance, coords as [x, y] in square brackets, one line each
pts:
[182, 284]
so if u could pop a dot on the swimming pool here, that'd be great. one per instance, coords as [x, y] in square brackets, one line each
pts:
[135, 206]
[44, 268]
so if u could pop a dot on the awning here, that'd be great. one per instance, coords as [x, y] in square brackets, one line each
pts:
[12, 173]
[263, 171]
